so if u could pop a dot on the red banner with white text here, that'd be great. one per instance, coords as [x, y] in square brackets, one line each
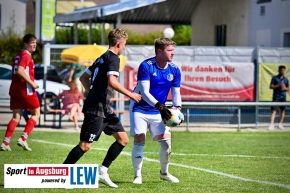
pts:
[209, 81]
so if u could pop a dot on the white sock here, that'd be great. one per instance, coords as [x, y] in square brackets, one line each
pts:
[103, 170]
[24, 134]
[164, 155]
[137, 157]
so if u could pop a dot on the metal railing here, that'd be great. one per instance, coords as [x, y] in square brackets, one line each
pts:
[217, 111]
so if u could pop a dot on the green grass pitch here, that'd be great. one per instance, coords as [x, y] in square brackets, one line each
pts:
[203, 161]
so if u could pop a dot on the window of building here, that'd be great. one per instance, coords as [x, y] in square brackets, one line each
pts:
[262, 10]
[220, 35]
[286, 39]
[263, 1]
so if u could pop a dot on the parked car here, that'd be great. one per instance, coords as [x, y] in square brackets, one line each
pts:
[51, 73]
[52, 89]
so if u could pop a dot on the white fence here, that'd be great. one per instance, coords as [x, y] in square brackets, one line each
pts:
[213, 107]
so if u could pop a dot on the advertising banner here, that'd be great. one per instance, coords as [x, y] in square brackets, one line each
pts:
[210, 81]
[51, 176]
[47, 24]
[266, 72]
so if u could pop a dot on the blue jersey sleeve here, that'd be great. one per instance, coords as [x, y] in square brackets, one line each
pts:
[92, 67]
[143, 72]
[177, 78]
[286, 82]
[273, 81]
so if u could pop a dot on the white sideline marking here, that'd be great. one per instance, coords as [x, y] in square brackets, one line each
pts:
[234, 155]
[181, 165]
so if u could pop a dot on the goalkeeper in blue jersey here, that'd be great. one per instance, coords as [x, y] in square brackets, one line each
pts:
[156, 76]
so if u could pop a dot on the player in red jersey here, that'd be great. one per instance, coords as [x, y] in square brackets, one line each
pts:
[22, 94]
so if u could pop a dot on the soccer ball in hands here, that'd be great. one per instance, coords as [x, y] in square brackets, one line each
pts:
[176, 118]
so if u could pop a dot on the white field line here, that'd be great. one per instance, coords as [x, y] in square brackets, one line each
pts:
[181, 165]
[234, 155]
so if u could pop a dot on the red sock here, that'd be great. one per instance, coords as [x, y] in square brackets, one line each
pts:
[28, 128]
[10, 131]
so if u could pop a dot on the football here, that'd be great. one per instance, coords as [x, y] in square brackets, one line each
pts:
[168, 33]
[176, 118]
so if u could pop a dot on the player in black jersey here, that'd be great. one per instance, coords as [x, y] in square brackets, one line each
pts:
[100, 81]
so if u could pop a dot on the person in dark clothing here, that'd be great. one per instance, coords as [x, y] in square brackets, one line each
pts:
[100, 81]
[280, 85]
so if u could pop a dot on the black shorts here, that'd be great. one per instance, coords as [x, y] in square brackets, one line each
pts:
[279, 100]
[93, 126]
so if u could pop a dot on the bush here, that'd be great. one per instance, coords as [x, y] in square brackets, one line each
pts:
[10, 47]
[11, 43]
[65, 36]
[182, 34]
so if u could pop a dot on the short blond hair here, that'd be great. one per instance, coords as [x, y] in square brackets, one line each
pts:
[117, 35]
[162, 43]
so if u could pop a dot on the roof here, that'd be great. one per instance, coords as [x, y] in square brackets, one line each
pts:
[63, 7]
[81, 15]
[135, 11]
[22, 1]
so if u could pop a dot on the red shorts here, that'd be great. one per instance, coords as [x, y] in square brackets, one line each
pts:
[24, 101]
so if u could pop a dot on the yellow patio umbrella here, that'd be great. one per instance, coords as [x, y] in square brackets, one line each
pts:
[86, 55]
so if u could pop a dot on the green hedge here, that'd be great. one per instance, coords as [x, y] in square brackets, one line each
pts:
[182, 36]
[11, 44]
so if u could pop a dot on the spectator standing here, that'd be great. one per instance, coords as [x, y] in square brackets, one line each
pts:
[75, 73]
[280, 85]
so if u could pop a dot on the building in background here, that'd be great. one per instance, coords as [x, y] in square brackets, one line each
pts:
[13, 16]
[19, 15]
[67, 6]
[241, 23]
[269, 24]
[214, 23]
[62, 7]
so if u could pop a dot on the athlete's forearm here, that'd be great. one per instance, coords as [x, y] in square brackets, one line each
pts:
[272, 86]
[176, 97]
[146, 95]
[71, 74]
[113, 83]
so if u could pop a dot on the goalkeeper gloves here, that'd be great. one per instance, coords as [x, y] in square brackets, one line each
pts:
[171, 106]
[164, 111]
[179, 107]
